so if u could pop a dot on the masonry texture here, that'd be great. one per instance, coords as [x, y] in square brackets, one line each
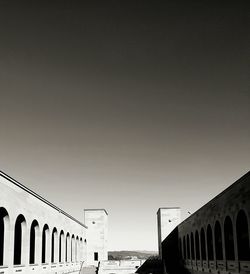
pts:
[215, 239]
[38, 237]
[167, 219]
[97, 222]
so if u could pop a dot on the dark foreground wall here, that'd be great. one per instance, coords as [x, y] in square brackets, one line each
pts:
[152, 265]
[215, 239]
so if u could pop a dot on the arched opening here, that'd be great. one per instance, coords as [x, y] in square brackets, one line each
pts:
[203, 245]
[242, 236]
[192, 246]
[218, 241]
[72, 248]
[210, 249]
[4, 217]
[45, 243]
[18, 239]
[53, 243]
[184, 248]
[61, 246]
[188, 247]
[33, 241]
[197, 245]
[67, 249]
[229, 239]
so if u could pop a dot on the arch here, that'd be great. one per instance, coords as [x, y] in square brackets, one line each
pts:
[72, 248]
[242, 236]
[210, 248]
[229, 239]
[218, 241]
[61, 241]
[67, 249]
[45, 243]
[184, 248]
[197, 245]
[192, 246]
[53, 244]
[203, 245]
[20, 226]
[4, 220]
[33, 241]
[188, 247]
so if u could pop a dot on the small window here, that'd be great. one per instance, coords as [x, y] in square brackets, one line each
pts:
[96, 256]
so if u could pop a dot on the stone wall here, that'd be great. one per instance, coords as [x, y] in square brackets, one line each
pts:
[167, 219]
[35, 235]
[97, 223]
[119, 267]
[215, 239]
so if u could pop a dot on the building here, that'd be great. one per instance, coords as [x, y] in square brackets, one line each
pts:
[167, 219]
[97, 223]
[215, 239]
[38, 237]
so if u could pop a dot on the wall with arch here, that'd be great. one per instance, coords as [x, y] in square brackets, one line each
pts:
[35, 235]
[216, 238]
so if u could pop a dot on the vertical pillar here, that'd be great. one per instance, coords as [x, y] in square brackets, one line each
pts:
[68, 249]
[38, 246]
[206, 246]
[194, 241]
[25, 257]
[199, 236]
[25, 244]
[73, 250]
[7, 233]
[76, 250]
[235, 242]
[9, 243]
[56, 248]
[80, 250]
[47, 247]
[223, 242]
[214, 249]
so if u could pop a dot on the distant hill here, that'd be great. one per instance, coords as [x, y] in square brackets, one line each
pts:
[126, 254]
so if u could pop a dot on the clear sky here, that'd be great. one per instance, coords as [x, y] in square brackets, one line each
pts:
[125, 105]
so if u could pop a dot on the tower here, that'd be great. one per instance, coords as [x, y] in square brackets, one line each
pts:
[167, 219]
[97, 222]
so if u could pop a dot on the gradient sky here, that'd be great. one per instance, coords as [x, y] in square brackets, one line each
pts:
[125, 105]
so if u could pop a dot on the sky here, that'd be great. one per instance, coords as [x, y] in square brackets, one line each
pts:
[125, 105]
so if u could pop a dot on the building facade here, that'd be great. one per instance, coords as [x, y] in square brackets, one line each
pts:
[38, 237]
[167, 219]
[97, 232]
[215, 239]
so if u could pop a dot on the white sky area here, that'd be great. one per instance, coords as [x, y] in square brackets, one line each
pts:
[130, 192]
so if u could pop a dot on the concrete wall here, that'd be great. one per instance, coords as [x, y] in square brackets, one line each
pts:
[35, 230]
[215, 239]
[97, 233]
[119, 267]
[167, 219]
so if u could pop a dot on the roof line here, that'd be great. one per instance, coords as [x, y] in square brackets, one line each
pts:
[15, 182]
[95, 209]
[243, 177]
